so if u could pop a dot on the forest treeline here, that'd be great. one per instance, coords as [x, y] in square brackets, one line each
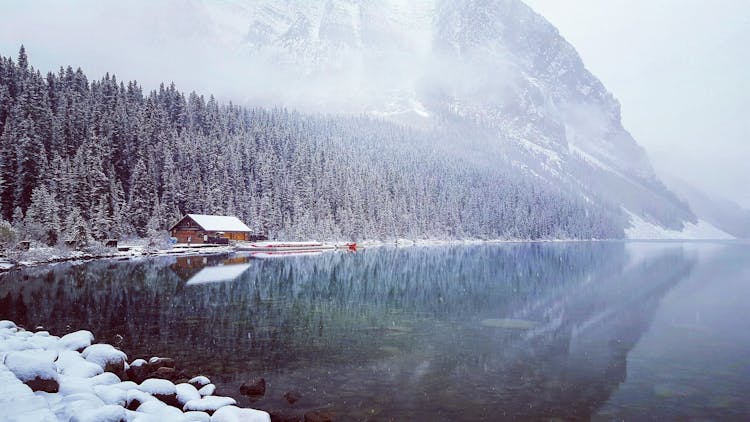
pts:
[105, 156]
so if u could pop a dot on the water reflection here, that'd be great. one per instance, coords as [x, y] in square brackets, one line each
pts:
[210, 269]
[398, 334]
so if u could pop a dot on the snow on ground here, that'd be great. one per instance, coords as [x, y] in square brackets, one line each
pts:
[643, 230]
[46, 255]
[45, 378]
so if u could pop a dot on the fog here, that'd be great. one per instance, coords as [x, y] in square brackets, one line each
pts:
[679, 68]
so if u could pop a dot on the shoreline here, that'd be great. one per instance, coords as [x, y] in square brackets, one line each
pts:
[139, 251]
[134, 252]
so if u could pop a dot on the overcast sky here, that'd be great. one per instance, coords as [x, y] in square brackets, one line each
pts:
[679, 67]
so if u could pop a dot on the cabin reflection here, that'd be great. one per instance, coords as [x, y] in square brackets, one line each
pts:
[406, 320]
[209, 269]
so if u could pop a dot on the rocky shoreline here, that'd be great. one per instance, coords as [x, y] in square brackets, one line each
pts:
[48, 378]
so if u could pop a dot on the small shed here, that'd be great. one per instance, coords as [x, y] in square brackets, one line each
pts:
[200, 228]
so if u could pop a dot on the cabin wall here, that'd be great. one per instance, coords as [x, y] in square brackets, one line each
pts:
[196, 236]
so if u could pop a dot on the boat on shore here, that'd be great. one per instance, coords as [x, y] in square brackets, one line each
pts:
[285, 254]
[292, 246]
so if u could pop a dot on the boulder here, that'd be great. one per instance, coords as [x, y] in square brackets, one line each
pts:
[209, 404]
[199, 382]
[162, 390]
[207, 390]
[235, 414]
[78, 340]
[156, 363]
[186, 393]
[43, 384]
[138, 373]
[35, 369]
[165, 373]
[106, 356]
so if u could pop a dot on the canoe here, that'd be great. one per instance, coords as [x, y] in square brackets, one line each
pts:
[284, 254]
[284, 246]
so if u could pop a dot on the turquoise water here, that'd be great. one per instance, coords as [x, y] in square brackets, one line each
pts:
[519, 331]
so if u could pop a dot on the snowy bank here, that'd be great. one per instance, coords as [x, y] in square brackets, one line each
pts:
[641, 229]
[49, 378]
[50, 255]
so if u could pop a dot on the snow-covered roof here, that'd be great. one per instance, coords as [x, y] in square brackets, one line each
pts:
[219, 223]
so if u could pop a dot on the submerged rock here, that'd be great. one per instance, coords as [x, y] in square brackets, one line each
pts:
[286, 416]
[510, 324]
[256, 387]
[319, 416]
[292, 396]
[165, 373]
[156, 363]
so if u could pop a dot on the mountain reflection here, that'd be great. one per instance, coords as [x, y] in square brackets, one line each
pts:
[404, 332]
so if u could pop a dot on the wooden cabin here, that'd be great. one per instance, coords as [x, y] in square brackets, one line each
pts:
[199, 228]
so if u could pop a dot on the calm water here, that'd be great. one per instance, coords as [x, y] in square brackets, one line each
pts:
[528, 331]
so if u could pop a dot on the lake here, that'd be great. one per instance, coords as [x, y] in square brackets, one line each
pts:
[540, 331]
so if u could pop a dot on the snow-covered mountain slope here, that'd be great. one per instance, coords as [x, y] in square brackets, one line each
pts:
[720, 212]
[702, 230]
[493, 71]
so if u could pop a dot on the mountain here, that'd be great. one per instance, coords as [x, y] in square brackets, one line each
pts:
[420, 119]
[722, 213]
[493, 71]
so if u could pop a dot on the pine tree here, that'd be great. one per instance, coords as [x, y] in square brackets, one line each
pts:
[23, 60]
[42, 221]
[76, 230]
[141, 198]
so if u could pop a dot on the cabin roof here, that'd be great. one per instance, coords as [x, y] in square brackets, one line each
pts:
[217, 223]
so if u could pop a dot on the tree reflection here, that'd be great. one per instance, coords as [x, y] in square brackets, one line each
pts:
[406, 320]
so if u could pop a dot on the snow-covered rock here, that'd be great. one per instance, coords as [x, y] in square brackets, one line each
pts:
[34, 367]
[156, 407]
[195, 416]
[186, 393]
[209, 403]
[207, 390]
[18, 402]
[157, 386]
[106, 356]
[5, 324]
[199, 381]
[111, 394]
[235, 414]
[83, 391]
[107, 413]
[78, 340]
[70, 362]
